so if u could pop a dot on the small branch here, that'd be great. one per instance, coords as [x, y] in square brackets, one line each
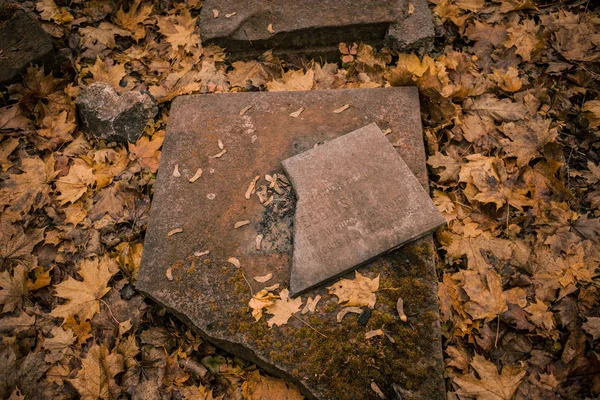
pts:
[309, 325]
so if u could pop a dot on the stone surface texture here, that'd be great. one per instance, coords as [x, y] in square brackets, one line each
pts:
[211, 294]
[22, 42]
[106, 115]
[314, 28]
[356, 199]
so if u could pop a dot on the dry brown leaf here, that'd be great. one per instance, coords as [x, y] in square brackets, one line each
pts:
[490, 385]
[293, 80]
[96, 378]
[134, 18]
[525, 37]
[83, 296]
[356, 292]
[147, 152]
[76, 183]
[13, 288]
[50, 11]
[259, 387]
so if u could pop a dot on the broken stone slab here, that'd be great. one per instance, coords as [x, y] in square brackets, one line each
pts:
[107, 115]
[23, 42]
[239, 212]
[248, 28]
[356, 199]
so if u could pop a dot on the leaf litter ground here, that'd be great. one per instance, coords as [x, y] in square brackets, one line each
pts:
[511, 109]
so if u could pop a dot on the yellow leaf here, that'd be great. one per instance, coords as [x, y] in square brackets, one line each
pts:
[112, 75]
[76, 183]
[293, 80]
[356, 292]
[490, 385]
[50, 11]
[259, 301]
[283, 308]
[133, 19]
[83, 296]
[180, 31]
[260, 387]
[102, 36]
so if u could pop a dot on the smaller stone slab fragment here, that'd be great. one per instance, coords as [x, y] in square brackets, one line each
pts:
[248, 28]
[22, 42]
[356, 199]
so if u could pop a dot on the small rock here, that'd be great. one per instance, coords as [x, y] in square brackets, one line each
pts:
[106, 115]
[23, 42]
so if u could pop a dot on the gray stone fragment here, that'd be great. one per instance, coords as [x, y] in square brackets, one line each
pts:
[106, 115]
[314, 29]
[356, 199]
[22, 42]
[414, 33]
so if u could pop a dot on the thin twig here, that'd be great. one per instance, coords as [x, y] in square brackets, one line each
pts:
[309, 325]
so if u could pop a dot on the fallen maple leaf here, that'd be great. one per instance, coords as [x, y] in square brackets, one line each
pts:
[486, 298]
[283, 308]
[146, 152]
[76, 183]
[591, 111]
[490, 385]
[488, 105]
[258, 387]
[540, 315]
[528, 138]
[260, 301]
[102, 36]
[293, 80]
[96, 378]
[83, 296]
[356, 292]
[180, 31]
[50, 11]
[22, 192]
[13, 288]
[134, 19]
[111, 74]
[524, 36]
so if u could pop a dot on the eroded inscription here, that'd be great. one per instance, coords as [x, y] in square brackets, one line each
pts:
[357, 199]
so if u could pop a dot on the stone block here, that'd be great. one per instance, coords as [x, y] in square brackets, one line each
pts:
[248, 28]
[235, 138]
[107, 115]
[22, 42]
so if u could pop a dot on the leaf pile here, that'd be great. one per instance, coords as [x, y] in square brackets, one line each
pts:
[511, 111]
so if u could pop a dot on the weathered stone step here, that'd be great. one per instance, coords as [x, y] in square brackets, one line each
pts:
[247, 28]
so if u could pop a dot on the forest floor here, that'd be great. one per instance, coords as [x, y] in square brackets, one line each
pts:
[511, 110]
